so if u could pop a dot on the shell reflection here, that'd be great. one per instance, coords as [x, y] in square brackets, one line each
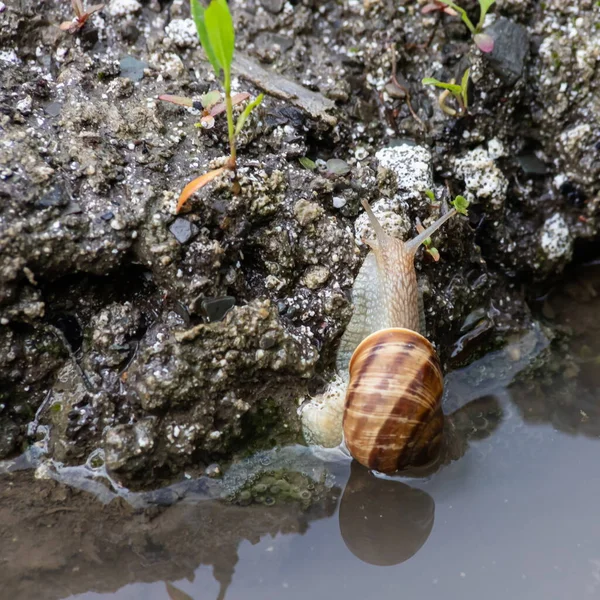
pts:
[384, 522]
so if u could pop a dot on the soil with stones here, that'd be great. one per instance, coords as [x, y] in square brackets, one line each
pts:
[160, 344]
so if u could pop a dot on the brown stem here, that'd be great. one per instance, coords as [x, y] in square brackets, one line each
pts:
[403, 89]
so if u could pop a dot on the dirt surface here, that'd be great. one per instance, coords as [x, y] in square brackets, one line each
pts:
[113, 332]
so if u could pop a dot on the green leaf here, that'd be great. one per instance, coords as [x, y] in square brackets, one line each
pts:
[485, 5]
[430, 195]
[462, 12]
[455, 89]
[198, 15]
[464, 84]
[210, 98]
[242, 118]
[433, 252]
[219, 27]
[461, 204]
[311, 165]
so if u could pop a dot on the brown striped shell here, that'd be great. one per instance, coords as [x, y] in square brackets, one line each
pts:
[393, 414]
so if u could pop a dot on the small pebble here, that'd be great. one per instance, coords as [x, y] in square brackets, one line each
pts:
[183, 230]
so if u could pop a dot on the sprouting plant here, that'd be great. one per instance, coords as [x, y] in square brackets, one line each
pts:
[460, 204]
[217, 37]
[483, 41]
[460, 92]
[81, 16]
[438, 6]
[209, 104]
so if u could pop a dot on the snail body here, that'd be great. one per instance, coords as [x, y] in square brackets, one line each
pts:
[386, 400]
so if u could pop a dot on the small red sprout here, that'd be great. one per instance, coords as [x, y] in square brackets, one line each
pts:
[438, 6]
[81, 16]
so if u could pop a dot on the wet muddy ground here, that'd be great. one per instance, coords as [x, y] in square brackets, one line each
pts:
[514, 516]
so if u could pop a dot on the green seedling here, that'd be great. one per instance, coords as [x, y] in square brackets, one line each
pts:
[458, 91]
[429, 247]
[81, 16]
[217, 37]
[307, 163]
[460, 204]
[430, 194]
[483, 41]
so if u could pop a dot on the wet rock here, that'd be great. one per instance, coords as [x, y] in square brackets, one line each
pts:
[316, 277]
[307, 212]
[215, 309]
[511, 46]
[28, 361]
[126, 447]
[111, 336]
[56, 197]
[273, 6]
[183, 230]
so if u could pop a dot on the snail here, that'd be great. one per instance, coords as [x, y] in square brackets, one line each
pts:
[386, 397]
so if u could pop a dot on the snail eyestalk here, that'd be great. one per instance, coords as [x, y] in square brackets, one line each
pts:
[413, 245]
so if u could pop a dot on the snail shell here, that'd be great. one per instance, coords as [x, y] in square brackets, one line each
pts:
[386, 398]
[393, 411]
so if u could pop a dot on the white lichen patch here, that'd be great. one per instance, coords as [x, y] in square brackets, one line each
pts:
[483, 179]
[556, 240]
[122, 8]
[182, 32]
[410, 165]
[9, 56]
[404, 174]
[571, 139]
[391, 215]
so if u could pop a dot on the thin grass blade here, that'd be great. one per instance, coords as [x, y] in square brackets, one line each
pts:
[451, 87]
[244, 116]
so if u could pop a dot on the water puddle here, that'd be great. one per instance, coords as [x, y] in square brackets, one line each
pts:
[516, 516]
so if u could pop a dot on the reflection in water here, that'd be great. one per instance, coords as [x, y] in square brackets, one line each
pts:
[383, 522]
[58, 541]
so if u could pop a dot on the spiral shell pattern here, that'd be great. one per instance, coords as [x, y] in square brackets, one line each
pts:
[393, 417]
